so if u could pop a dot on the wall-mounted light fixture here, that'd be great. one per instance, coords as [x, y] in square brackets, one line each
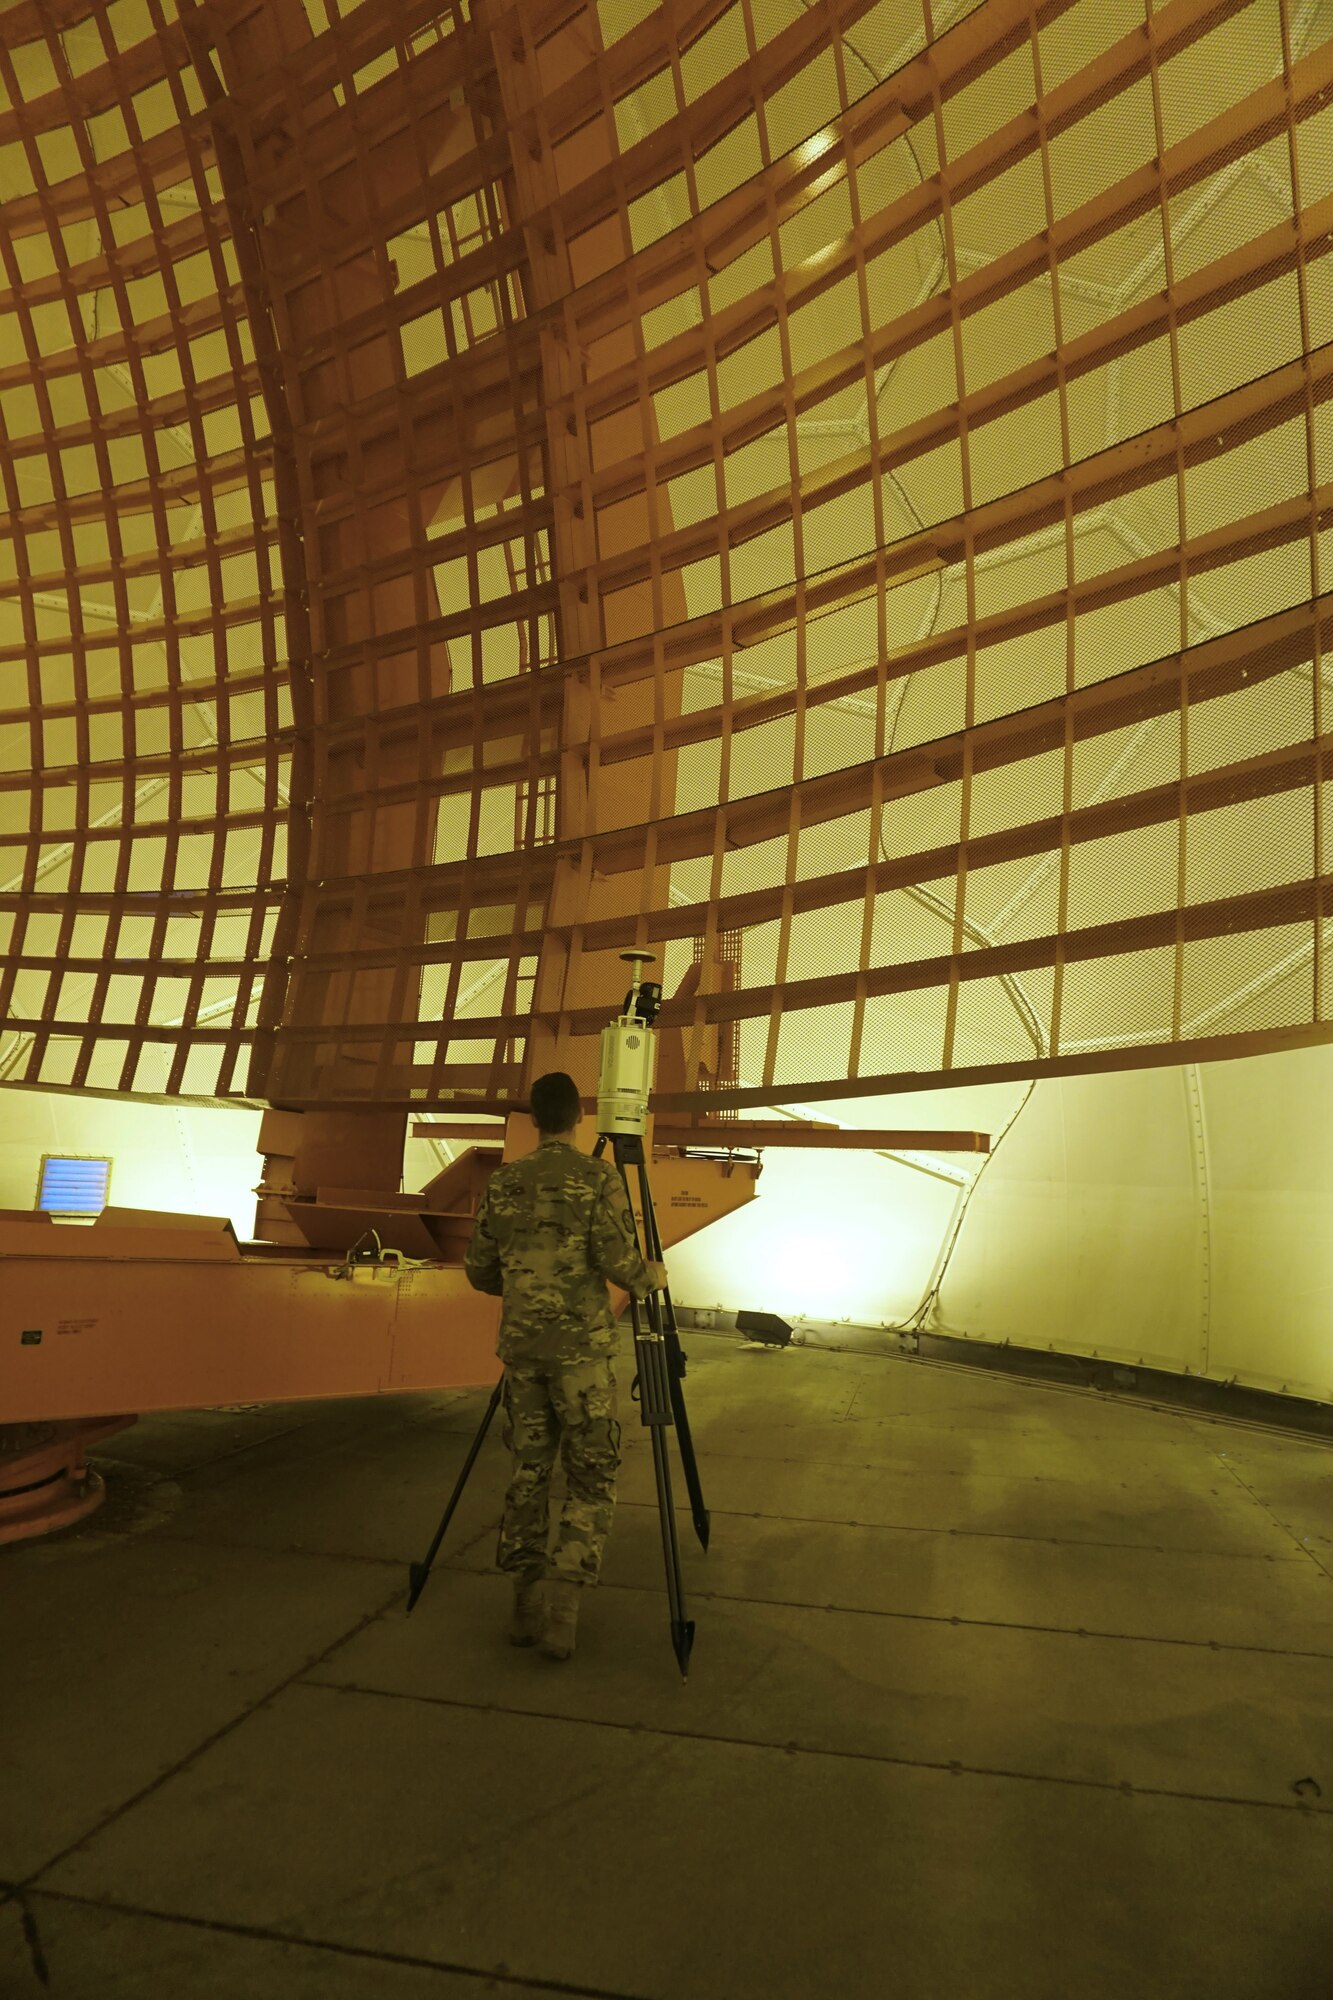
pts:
[73, 1184]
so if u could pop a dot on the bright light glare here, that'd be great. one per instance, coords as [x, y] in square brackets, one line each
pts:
[832, 1236]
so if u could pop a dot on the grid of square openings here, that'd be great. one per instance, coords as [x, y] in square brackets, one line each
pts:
[874, 458]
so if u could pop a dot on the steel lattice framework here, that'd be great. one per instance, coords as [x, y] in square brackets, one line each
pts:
[837, 493]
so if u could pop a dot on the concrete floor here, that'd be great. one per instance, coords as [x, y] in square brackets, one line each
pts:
[998, 1690]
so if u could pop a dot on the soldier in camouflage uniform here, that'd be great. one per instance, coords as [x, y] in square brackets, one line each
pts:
[550, 1231]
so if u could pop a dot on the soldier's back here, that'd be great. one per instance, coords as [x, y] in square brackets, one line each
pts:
[540, 1211]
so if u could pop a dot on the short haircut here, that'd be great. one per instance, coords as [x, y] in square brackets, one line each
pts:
[556, 1104]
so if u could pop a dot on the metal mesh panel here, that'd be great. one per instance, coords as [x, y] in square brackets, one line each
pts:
[838, 494]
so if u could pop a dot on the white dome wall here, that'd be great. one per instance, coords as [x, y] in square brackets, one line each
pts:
[1270, 1146]
[1083, 1233]
[1179, 1219]
[1174, 1218]
[193, 1159]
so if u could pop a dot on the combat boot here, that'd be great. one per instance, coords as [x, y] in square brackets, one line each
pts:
[562, 1617]
[525, 1627]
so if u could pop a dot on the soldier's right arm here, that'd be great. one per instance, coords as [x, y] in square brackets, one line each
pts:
[615, 1253]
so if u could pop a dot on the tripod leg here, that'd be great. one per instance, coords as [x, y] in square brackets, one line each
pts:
[418, 1572]
[675, 1360]
[675, 1365]
[655, 1411]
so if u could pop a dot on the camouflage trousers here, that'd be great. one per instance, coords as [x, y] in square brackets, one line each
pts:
[566, 1408]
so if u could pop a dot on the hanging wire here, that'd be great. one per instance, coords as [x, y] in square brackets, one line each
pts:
[915, 1322]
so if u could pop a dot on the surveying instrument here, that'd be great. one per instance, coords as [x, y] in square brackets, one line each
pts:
[625, 1082]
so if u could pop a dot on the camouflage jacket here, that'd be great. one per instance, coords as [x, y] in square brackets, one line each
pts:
[551, 1229]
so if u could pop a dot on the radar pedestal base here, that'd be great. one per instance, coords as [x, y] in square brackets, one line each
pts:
[45, 1481]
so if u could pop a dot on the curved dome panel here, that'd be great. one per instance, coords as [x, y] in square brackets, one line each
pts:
[838, 495]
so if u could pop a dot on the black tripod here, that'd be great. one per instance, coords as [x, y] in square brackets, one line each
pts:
[661, 1365]
[661, 1371]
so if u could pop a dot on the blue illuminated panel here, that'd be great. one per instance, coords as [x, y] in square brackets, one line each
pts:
[73, 1187]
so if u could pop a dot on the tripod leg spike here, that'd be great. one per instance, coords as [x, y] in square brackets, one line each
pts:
[419, 1571]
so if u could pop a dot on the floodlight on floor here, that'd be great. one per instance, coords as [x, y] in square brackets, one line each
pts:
[765, 1327]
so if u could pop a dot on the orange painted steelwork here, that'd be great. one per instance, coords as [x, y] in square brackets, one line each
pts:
[701, 1135]
[172, 1313]
[576, 481]
[46, 1482]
